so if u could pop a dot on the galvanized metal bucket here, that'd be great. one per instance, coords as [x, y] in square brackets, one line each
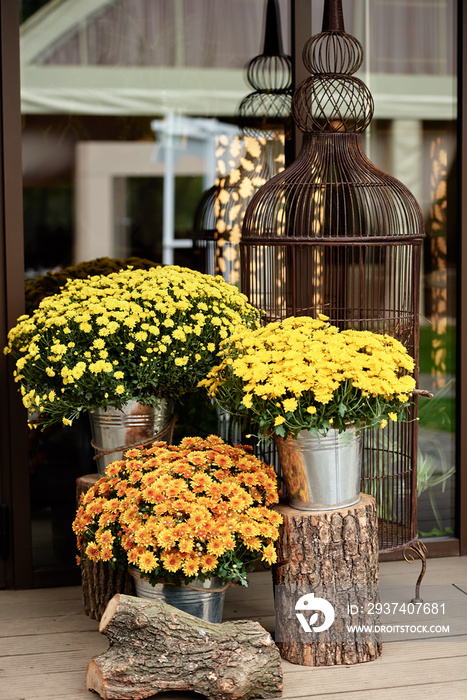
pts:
[113, 429]
[322, 472]
[207, 604]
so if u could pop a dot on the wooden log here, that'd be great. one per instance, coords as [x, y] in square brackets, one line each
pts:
[328, 556]
[154, 647]
[99, 581]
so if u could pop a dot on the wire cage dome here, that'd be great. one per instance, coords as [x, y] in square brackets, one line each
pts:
[267, 109]
[204, 231]
[333, 234]
[265, 119]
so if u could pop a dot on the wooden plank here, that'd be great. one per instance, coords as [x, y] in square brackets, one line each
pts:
[43, 625]
[455, 690]
[92, 642]
[19, 611]
[38, 595]
[47, 640]
[70, 687]
[45, 686]
[446, 606]
[245, 608]
[315, 682]
[394, 652]
[438, 571]
[259, 584]
[56, 661]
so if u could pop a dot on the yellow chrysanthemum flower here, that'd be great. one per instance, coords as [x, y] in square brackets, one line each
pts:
[309, 368]
[108, 323]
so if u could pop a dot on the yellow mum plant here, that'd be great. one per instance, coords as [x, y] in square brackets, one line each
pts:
[179, 513]
[106, 339]
[304, 373]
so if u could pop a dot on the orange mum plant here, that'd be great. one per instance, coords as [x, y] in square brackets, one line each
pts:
[180, 513]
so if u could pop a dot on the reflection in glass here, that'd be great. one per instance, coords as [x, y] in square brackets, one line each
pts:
[98, 79]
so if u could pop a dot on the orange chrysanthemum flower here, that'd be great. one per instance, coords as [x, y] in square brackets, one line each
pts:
[269, 554]
[104, 538]
[190, 566]
[185, 545]
[106, 554]
[132, 453]
[166, 539]
[217, 547]
[248, 529]
[133, 556]
[114, 469]
[121, 489]
[171, 561]
[208, 563]
[93, 551]
[147, 562]
[222, 461]
[176, 511]
[151, 494]
[149, 479]
[252, 543]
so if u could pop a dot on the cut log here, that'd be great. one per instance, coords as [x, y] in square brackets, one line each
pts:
[154, 647]
[98, 580]
[328, 556]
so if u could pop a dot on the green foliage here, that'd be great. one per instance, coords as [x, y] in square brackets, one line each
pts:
[430, 340]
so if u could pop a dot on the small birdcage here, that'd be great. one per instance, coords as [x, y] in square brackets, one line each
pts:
[204, 231]
[333, 234]
[264, 117]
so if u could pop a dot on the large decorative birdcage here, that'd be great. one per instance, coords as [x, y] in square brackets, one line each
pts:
[333, 234]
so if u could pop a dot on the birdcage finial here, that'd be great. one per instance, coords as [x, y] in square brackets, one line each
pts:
[332, 99]
[272, 33]
[333, 17]
[270, 74]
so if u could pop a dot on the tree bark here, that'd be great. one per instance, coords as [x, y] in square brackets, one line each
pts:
[330, 555]
[98, 580]
[154, 647]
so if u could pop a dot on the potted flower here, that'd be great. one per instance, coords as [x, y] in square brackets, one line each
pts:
[313, 388]
[186, 518]
[137, 335]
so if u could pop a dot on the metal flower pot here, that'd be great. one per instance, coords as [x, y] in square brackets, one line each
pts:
[207, 604]
[113, 430]
[322, 473]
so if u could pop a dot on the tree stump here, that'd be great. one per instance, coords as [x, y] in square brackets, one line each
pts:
[154, 647]
[327, 563]
[98, 580]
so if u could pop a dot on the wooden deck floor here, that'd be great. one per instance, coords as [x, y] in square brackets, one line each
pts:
[46, 642]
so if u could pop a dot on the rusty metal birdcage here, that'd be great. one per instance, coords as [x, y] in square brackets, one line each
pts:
[204, 231]
[333, 234]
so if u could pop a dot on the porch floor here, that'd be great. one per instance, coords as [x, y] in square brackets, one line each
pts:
[46, 642]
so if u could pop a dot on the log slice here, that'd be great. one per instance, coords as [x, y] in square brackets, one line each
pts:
[330, 555]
